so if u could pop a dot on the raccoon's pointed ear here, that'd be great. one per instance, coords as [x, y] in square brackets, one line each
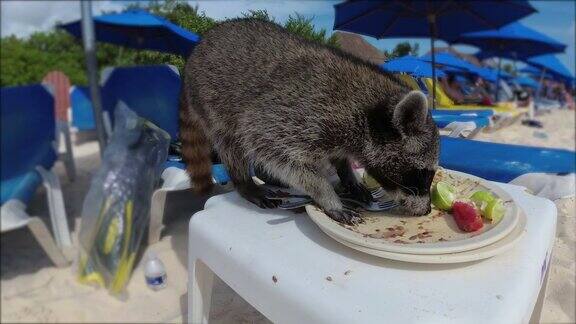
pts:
[411, 112]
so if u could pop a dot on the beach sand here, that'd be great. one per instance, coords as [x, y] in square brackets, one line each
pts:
[35, 291]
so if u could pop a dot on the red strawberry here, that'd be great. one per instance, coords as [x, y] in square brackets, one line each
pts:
[466, 216]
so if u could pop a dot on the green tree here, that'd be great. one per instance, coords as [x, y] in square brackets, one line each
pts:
[299, 25]
[27, 61]
[258, 14]
[509, 68]
[303, 26]
[403, 49]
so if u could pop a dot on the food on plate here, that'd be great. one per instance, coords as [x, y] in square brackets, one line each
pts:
[467, 216]
[491, 208]
[467, 207]
[495, 210]
[482, 198]
[443, 195]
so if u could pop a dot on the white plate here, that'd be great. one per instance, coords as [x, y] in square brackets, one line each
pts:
[484, 252]
[441, 233]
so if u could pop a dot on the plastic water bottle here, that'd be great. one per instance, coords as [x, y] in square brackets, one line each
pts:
[154, 272]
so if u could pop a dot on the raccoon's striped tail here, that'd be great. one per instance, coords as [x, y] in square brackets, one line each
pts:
[195, 149]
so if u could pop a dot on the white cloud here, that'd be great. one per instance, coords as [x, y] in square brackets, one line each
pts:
[22, 18]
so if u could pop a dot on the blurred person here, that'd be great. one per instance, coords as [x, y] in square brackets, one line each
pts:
[453, 89]
[483, 89]
[521, 94]
[567, 97]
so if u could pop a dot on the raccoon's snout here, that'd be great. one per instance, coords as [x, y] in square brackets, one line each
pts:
[416, 206]
[427, 210]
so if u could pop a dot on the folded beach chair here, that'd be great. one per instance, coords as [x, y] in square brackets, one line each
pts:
[28, 153]
[82, 110]
[549, 173]
[153, 93]
[59, 85]
[459, 123]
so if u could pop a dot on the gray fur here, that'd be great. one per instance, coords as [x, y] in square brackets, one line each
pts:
[290, 106]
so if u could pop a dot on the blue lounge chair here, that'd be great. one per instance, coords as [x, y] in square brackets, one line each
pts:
[150, 91]
[28, 154]
[546, 172]
[82, 110]
[153, 93]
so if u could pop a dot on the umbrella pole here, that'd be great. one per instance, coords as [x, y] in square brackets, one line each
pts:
[433, 74]
[92, 70]
[539, 90]
[498, 78]
[432, 23]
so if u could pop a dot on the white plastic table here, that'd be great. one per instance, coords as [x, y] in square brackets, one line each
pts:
[289, 270]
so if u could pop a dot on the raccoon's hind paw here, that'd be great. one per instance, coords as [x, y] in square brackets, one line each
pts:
[345, 216]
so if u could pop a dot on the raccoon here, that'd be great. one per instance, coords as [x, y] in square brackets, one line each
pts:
[262, 96]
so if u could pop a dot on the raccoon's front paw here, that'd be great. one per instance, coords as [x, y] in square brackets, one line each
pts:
[345, 216]
[359, 192]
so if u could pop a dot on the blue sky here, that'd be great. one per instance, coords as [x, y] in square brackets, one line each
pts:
[555, 18]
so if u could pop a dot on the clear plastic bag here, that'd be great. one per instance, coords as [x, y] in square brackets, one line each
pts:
[116, 209]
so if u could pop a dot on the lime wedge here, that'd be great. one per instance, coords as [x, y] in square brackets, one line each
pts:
[482, 199]
[495, 210]
[370, 182]
[443, 195]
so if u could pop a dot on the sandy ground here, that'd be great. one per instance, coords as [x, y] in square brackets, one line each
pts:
[35, 291]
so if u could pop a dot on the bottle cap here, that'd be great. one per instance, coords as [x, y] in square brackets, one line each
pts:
[151, 255]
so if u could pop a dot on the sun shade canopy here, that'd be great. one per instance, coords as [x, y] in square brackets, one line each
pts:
[552, 65]
[513, 41]
[411, 65]
[395, 18]
[139, 29]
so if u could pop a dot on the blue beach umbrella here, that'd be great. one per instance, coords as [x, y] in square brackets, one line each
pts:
[133, 28]
[139, 29]
[551, 64]
[411, 65]
[493, 75]
[528, 69]
[449, 60]
[443, 19]
[526, 82]
[513, 41]
[536, 72]
[453, 64]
